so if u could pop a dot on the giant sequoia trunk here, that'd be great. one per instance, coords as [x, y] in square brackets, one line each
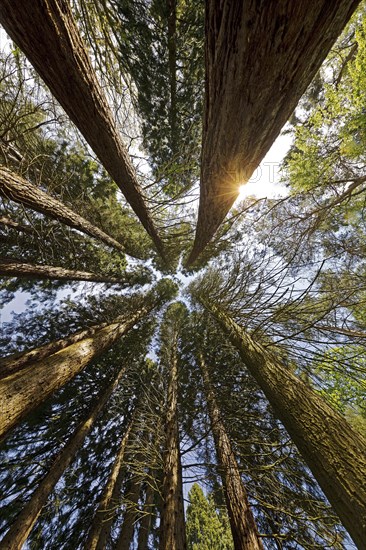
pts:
[12, 268]
[103, 519]
[21, 528]
[47, 34]
[260, 58]
[17, 361]
[25, 389]
[16, 188]
[334, 452]
[172, 528]
[242, 523]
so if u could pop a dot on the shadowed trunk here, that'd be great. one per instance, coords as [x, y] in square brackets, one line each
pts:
[242, 523]
[11, 268]
[16, 188]
[260, 58]
[334, 452]
[21, 528]
[145, 522]
[132, 497]
[103, 519]
[22, 391]
[46, 32]
[172, 527]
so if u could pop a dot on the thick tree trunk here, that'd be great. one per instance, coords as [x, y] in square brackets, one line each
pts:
[145, 523]
[334, 452]
[21, 528]
[16, 188]
[132, 497]
[10, 268]
[172, 526]
[260, 58]
[103, 519]
[22, 391]
[13, 363]
[47, 34]
[242, 523]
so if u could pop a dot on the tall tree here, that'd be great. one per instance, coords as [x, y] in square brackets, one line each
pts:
[61, 49]
[242, 117]
[242, 522]
[19, 190]
[172, 530]
[99, 531]
[19, 531]
[20, 391]
[336, 463]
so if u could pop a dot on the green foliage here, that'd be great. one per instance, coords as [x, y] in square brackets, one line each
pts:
[160, 49]
[206, 528]
[342, 374]
[329, 145]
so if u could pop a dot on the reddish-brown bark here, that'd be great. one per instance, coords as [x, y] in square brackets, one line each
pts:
[260, 58]
[47, 33]
[242, 522]
[333, 450]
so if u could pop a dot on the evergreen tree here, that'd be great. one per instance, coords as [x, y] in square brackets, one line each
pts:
[206, 529]
[112, 398]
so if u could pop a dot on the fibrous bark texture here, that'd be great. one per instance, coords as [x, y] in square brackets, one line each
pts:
[242, 523]
[260, 57]
[16, 188]
[21, 528]
[47, 34]
[333, 450]
[172, 527]
[15, 362]
[103, 519]
[10, 268]
[25, 389]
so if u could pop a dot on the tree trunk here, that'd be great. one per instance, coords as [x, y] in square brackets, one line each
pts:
[242, 522]
[103, 519]
[21, 528]
[144, 529]
[46, 32]
[13, 363]
[24, 390]
[334, 452]
[126, 535]
[16, 188]
[172, 527]
[260, 58]
[11, 268]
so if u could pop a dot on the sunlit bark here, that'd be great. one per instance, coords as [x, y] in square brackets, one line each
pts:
[260, 58]
[47, 33]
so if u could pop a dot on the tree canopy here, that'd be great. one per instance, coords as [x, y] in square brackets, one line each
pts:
[184, 372]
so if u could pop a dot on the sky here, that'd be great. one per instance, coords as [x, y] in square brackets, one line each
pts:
[263, 183]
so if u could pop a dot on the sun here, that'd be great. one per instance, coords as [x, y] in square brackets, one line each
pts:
[243, 192]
